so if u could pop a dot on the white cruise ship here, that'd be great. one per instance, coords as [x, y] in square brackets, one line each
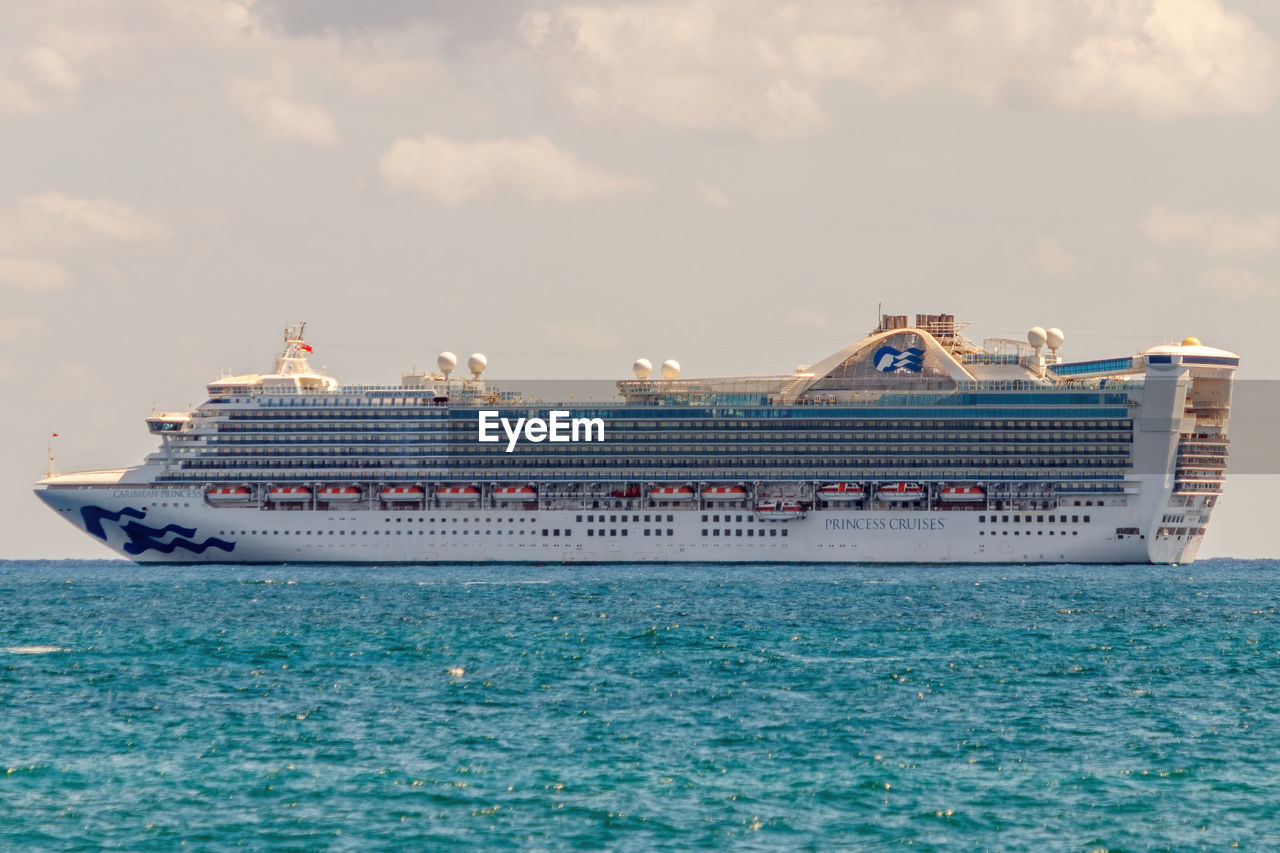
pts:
[913, 445]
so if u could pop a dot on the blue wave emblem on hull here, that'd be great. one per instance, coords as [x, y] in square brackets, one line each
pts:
[887, 359]
[143, 538]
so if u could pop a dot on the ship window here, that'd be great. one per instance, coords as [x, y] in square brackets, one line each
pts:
[591, 532]
[613, 531]
[715, 532]
[670, 532]
[646, 531]
[1075, 518]
[544, 531]
[704, 532]
[671, 518]
[1086, 519]
[773, 531]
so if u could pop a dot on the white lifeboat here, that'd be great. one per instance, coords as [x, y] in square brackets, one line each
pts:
[672, 493]
[402, 494]
[779, 511]
[841, 492]
[289, 494]
[340, 494]
[228, 494]
[458, 493]
[961, 494]
[515, 494]
[900, 492]
[724, 493]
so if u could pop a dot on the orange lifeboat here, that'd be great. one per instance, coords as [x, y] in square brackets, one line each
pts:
[515, 494]
[724, 493]
[228, 494]
[289, 494]
[458, 493]
[340, 494]
[961, 494]
[671, 493]
[402, 494]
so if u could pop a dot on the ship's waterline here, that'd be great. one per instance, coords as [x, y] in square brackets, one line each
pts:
[911, 445]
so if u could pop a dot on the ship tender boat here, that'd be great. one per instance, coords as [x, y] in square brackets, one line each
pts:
[900, 492]
[780, 511]
[1028, 458]
[841, 492]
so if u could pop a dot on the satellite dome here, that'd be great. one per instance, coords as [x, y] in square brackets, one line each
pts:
[643, 368]
[1191, 341]
[446, 361]
[1055, 338]
[476, 363]
[1037, 337]
[670, 369]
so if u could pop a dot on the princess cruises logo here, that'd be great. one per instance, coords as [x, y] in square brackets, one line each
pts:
[888, 360]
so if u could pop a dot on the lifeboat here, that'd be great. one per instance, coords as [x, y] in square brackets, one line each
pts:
[340, 494]
[841, 492]
[628, 492]
[724, 493]
[961, 494]
[228, 494]
[900, 492]
[458, 493]
[402, 494]
[289, 494]
[779, 511]
[515, 493]
[672, 493]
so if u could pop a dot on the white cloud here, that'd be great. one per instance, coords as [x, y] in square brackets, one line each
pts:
[32, 274]
[16, 328]
[531, 169]
[50, 215]
[1220, 234]
[1237, 283]
[759, 67]
[1049, 258]
[712, 196]
[279, 119]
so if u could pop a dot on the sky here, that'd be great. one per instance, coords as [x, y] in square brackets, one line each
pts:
[732, 183]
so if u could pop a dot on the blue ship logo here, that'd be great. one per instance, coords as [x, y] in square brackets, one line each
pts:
[143, 538]
[888, 360]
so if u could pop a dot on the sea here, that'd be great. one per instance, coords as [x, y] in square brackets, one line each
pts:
[639, 707]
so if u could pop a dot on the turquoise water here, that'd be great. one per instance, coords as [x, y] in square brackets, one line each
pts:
[639, 707]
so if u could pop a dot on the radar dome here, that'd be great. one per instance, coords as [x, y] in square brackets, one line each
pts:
[476, 363]
[1191, 341]
[1036, 337]
[1055, 338]
[670, 369]
[643, 368]
[446, 361]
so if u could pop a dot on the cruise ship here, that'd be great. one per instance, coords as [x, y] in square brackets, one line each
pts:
[912, 445]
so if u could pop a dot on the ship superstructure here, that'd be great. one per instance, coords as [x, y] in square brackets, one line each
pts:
[911, 445]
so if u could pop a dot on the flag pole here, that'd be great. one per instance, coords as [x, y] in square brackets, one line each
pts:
[52, 472]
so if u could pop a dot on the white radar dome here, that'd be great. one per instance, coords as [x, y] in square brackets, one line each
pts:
[670, 369]
[476, 363]
[643, 368]
[1055, 337]
[446, 361]
[1037, 337]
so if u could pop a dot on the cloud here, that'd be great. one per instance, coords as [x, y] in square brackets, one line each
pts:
[1237, 283]
[16, 328]
[32, 274]
[532, 169]
[1048, 257]
[279, 119]
[759, 67]
[1220, 234]
[55, 212]
[712, 196]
